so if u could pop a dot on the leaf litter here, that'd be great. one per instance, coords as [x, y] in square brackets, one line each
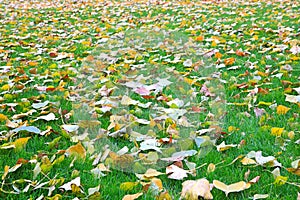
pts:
[46, 61]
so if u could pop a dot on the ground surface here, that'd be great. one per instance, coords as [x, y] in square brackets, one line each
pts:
[55, 59]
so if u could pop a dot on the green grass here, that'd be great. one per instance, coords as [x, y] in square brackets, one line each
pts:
[254, 131]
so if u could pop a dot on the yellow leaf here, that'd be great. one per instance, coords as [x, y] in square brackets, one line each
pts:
[189, 81]
[77, 151]
[214, 44]
[158, 183]
[5, 87]
[2, 118]
[255, 37]
[75, 189]
[21, 143]
[58, 160]
[55, 197]
[280, 180]
[259, 73]
[291, 134]
[262, 103]
[281, 110]
[232, 128]
[46, 165]
[6, 168]
[152, 173]
[128, 186]
[132, 196]
[211, 168]
[276, 131]
[164, 196]
[248, 161]
[235, 187]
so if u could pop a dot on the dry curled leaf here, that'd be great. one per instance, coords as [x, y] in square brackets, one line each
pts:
[194, 189]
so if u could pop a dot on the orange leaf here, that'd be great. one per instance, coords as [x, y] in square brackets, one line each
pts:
[263, 91]
[32, 64]
[218, 55]
[229, 61]
[240, 53]
[200, 38]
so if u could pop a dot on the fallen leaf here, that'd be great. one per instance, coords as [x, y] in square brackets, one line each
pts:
[91, 191]
[280, 180]
[276, 131]
[269, 161]
[78, 151]
[235, 187]
[48, 117]
[132, 196]
[195, 189]
[68, 186]
[229, 61]
[150, 173]
[281, 110]
[176, 172]
[70, 127]
[40, 105]
[211, 168]
[254, 180]
[20, 143]
[6, 168]
[128, 186]
[260, 196]
[240, 53]
[164, 196]
[3, 117]
[292, 98]
[31, 129]
[248, 161]
[224, 147]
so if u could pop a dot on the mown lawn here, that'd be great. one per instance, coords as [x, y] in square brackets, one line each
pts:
[73, 74]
